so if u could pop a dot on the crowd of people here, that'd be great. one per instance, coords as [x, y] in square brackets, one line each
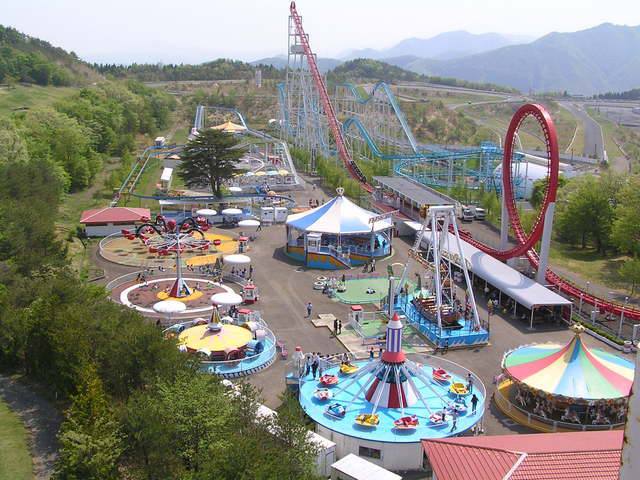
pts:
[595, 412]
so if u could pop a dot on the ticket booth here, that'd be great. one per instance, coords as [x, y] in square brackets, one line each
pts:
[250, 293]
[244, 315]
[267, 214]
[313, 242]
[281, 214]
[356, 313]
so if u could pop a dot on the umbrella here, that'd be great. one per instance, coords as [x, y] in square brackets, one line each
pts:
[225, 299]
[236, 259]
[235, 189]
[206, 212]
[249, 223]
[231, 211]
[169, 307]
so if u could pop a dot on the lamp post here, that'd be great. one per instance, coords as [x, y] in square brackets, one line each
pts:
[626, 299]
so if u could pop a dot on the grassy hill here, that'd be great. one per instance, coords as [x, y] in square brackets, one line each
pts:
[599, 59]
[367, 69]
[30, 60]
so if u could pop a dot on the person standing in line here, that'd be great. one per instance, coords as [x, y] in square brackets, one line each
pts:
[314, 365]
[474, 403]
[454, 419]
[309, 309]
[307, 364]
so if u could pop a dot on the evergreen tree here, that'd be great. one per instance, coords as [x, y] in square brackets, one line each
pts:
[210, 159]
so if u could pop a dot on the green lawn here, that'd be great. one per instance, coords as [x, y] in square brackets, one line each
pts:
[588, 265]
[15, 460]
[357, 290]
[20, 96]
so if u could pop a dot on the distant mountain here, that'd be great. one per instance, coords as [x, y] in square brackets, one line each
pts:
[30, 60]
[443, 46]
[280, 61]
[599, 59]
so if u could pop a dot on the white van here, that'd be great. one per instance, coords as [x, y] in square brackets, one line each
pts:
[480, 213]
[466, 214]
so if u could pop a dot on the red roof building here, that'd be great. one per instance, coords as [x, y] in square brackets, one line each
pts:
[101, 222]
[114, 215]
[549, 456]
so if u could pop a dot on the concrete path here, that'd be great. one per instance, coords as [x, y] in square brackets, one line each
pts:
[42, 420]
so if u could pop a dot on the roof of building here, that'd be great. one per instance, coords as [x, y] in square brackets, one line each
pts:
[558, 456]
[113, 214]
[572, 370]
[229, 127]
[414, 191]
[338, 216]
[359, 468]
[167, 172]
[522, 289]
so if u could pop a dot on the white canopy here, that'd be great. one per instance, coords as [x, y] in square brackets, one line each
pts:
[235, 189]
[206, 212]
[225, 299]
[169, 307]
[236, 259]
[249, 223]
[511, 282]
[231, 211]
[338, 216]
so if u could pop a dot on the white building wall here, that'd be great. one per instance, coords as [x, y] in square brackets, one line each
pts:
[394, 456]
[105, 230]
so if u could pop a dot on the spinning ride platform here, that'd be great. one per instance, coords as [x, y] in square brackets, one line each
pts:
[390, 389]
[200, 337]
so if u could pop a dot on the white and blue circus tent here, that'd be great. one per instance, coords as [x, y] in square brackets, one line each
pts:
[339, 216]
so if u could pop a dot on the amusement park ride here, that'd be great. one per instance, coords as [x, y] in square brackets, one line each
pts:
[307, 112]
[166, 237]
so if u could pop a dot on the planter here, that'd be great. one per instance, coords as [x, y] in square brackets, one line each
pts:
[603, 339]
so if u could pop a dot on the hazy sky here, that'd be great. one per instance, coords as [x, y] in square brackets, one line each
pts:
[200, 30]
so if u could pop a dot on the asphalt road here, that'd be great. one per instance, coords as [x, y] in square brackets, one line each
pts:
[593, 140]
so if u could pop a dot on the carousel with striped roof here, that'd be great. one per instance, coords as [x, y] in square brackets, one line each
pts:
[568, 386]
[390, 403]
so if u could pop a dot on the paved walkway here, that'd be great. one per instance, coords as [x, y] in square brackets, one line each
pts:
[40, 418]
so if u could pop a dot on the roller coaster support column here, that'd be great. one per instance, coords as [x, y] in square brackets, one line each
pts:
[504, 223]
[546, 243]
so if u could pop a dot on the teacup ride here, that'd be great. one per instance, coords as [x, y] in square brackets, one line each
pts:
[336, 410]
[440, 375]
[459, 407]
[348, 368]
[458, 389]
[408, 422]
[323, 394]
[438, 419]
[370, 420]
[329, 380]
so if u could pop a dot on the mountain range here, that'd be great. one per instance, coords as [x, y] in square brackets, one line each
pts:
[444, 46]
[600, 59]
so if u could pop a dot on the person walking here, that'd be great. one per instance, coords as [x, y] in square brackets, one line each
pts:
[474, 403]
[314, 365]
[309, 309]
[469, 382]
[250, 271]
[259, 227]
[335, 326]
[445, 349]
[339, 327]
[373, 264]
[371, 353]
[454, 420]
[320, 366]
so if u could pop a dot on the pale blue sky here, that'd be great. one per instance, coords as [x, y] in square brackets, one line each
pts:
[199, 30]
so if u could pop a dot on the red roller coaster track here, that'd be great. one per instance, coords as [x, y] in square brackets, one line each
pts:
[525, 241]
[349, 163]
